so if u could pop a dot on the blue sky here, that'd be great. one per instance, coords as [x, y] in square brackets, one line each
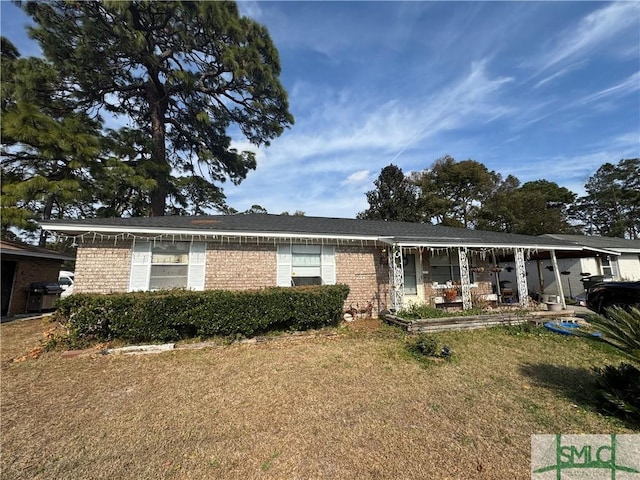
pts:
[539, 90]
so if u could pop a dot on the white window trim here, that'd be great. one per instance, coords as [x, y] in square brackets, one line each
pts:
[613, 267]
[140, 267]
[284, 265]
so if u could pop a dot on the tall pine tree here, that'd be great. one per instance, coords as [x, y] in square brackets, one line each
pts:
[48, 148]
[185, 73]
[611, 206]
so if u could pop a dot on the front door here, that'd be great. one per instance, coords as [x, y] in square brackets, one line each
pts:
[412, 283]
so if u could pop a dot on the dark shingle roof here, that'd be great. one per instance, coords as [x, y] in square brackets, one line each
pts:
[17, 249]
[609, 243]
[291, 226]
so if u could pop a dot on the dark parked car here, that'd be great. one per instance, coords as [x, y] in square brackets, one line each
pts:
[613, 294]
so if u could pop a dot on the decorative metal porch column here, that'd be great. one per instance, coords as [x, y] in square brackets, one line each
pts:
[396, 277]
[521, 278]
[556, 274]
[465, 282]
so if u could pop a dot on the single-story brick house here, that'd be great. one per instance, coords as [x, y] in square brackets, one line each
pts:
[388, 263]
[23, 265]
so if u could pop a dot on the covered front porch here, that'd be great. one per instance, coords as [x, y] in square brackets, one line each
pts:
[463, 276]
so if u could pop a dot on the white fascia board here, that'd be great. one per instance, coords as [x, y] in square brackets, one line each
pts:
[487, 245]
[601, 250]
[576, 248]
[113, 230]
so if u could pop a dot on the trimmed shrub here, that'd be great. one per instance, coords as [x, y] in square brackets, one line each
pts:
[174, 314]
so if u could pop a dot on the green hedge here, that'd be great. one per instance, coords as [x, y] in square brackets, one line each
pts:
[174, 314]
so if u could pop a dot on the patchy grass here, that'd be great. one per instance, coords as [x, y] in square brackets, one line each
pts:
[19, 338]
[355, 405]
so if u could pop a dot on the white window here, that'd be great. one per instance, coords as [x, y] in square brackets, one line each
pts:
[306, 265]
[610, 267]
[164, 264]
[169, 265]
[445, 268]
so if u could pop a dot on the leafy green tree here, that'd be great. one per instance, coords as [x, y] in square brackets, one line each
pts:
[256, 209]
[611, 206]
[535, 208]
[48, 148]
[497, 212]
[393, 199]
[185, 73]
[544, 208]
[451, 192]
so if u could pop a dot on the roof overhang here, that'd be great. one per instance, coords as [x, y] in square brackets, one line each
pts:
[137, 232]
[629, 250]
[480, 244]
[13, 252]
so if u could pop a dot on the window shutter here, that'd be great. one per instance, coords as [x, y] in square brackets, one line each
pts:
[140, 266]
[283, 271]
[328, 265]
[197, 262]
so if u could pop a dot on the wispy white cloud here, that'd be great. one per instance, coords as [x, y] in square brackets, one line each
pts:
[593, 31]
[630, 85]
[330, 153]
[600, 100]
[357, 177]
[393, 126]
[560, 73]
[624, 145]
[570, 172]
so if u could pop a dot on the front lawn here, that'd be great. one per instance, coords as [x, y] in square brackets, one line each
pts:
[352, 405]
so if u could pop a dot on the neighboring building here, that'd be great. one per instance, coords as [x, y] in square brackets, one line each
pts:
[611, 259]
[388, 263]
[23, 265]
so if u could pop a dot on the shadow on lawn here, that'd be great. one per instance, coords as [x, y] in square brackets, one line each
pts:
[577, 384]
